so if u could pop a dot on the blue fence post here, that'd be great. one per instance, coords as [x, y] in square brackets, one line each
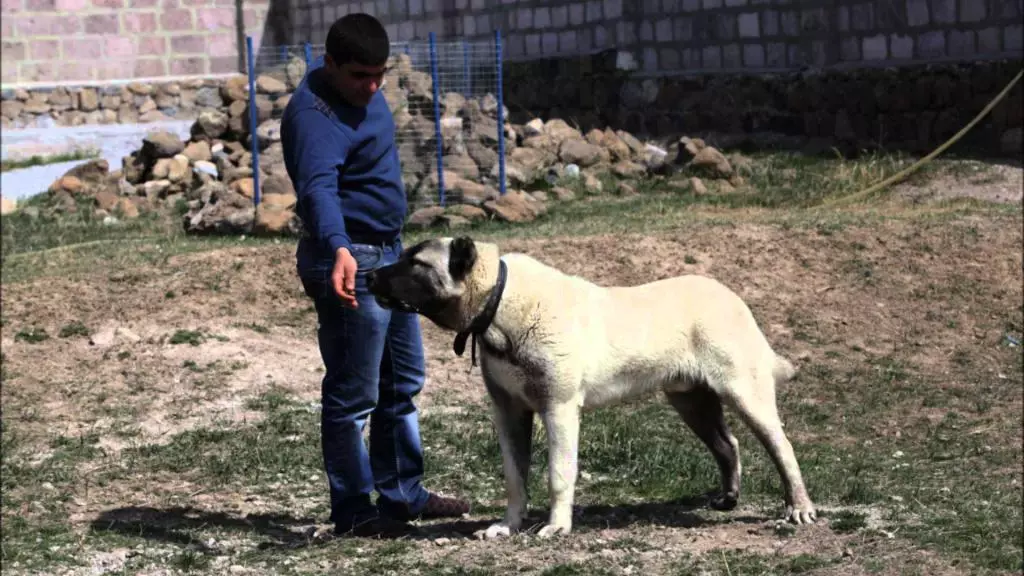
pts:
[501, 114]
[437, 119]
[253, 122]
[308, 51]
[467, 78]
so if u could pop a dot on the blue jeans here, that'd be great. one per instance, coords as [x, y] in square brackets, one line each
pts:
[374, 368]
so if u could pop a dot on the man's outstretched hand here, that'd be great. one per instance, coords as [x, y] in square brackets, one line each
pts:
[344, 277]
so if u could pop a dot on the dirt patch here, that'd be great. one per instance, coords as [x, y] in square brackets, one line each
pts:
[1001, 182]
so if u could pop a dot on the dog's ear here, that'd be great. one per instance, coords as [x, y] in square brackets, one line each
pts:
[461, 257]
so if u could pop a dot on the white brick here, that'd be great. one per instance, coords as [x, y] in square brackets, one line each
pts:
[541, 18]
[943, 11]
[469, 25]
[684, 29]
[1012, 41]
[669, 59]
[931, 44]
[415, 7]
[483, 25]
[524, 19]
[960, 43]
[533, 44]
[560, 16]
[663, 30]
[749, 25]
[901, 46]
[775, 55]
[584, 40]
[576, 14]
[646, 31]
[733, 3]
[600, 36]
[712, 4]
[549, 43]
[594, 11]
[650, 60]
[612, 9]
[753, 55]
[988, 41]
[732, 56]
[567, 41]
[691, 6]
[711, 57]
[972, 11]
[917, 12]
[875, 48]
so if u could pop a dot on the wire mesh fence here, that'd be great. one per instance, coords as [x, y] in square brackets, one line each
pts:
[447, 103]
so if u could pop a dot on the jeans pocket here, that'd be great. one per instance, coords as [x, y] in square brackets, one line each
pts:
[367, 257]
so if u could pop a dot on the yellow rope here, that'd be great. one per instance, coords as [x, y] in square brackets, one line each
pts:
[906, 171]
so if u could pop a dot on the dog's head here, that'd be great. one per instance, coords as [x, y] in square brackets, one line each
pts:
[444, 279]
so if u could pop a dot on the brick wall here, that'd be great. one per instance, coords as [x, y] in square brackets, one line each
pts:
[92, 41]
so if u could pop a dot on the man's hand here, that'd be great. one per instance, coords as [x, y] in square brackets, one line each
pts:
[344, 277]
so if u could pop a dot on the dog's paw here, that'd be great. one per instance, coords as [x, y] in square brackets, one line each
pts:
[495, 531]
[801, 514]
[553, 530]
[723, 501]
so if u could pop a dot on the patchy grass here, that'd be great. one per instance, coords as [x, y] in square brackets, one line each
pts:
[188, 440]
[38, 160]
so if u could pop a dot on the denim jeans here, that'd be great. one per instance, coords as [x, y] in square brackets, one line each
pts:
[374, 368]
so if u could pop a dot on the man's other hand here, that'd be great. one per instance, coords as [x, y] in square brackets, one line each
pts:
[344, 277]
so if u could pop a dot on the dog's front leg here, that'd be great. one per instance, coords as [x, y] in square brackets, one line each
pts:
[562, 424]
[514, 425]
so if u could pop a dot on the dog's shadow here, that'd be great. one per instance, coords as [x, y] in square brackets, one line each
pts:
[179, 525]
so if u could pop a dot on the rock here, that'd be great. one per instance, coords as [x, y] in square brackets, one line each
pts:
[278, 201]
[126, 208]
[179, 169]
[69, 184]
[710, 160]
[592, 183]
[272, 221]
[7, 206]
[534, 127]
[628, 169]
[210, 125]
[161, 168]
[563, 194]
[698, 187]
[276, 184]
[161, 144]
[579, 152]
[424, 217]
[225, 212]
[156, 189]
[452, 221]
[270, 85]
[198, 151]
[244, 187]
[469, 213]
[515, 206]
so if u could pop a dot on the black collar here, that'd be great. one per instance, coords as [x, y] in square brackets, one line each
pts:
[483, 320]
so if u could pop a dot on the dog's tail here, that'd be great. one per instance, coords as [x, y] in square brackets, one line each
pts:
[783, 370]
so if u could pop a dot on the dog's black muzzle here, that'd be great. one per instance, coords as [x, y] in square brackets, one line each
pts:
[376, 287]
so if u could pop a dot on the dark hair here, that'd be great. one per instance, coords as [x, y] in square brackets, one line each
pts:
[358, 38]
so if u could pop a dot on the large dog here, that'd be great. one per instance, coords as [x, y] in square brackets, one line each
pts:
[553, 344]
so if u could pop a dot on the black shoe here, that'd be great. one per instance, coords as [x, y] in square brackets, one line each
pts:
[378, 527]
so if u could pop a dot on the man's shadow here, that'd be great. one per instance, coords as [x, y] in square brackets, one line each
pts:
[178, 525]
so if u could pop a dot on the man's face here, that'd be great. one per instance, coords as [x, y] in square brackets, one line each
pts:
[355, 82]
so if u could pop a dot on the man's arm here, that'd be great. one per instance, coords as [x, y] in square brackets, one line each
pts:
[313, 149]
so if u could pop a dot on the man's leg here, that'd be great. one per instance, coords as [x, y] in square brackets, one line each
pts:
[395, 445]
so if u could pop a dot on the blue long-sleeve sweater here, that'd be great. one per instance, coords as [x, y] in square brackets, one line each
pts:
[344, 164]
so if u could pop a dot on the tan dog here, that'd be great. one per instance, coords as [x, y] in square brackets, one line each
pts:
[553, 344]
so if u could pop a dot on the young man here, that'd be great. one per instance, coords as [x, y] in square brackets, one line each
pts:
[339, 146]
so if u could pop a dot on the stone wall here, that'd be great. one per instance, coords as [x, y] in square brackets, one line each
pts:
[96, 41]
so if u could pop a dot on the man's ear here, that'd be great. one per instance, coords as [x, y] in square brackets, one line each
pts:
[461, 257]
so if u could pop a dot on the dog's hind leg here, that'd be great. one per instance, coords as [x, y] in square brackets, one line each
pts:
[754, 400]
[514, 425]
[701, 409]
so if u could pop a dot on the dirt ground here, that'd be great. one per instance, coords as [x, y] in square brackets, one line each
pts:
[862, 289]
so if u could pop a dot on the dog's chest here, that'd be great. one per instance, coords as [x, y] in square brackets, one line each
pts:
[517, 374]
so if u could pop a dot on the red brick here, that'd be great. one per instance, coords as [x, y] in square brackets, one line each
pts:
[7, 27]
[118, 47]
[215, 19]
[9, 74]
[12, 51]
[198, 2]
[138, 22]
[40, 5]
[36, 71]
[175, 20]
[82, 70]
[115, 69]
[224, 65]
[253, 18]
[188, 66]
[11, 6]
[108, 3]
[71, 5]
[141, 3]
[152, 46]
[188, 44]
[150, 67]
[44, 49]
[168, 4]
[222, 45]
[102, 24]
[82, 48]
[36, 25]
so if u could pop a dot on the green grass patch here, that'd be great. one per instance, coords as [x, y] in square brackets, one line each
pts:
[42, 160]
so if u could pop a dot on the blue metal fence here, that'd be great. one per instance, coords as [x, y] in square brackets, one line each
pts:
[468, 69]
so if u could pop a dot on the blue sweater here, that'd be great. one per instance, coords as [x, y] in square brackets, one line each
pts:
[343, 162]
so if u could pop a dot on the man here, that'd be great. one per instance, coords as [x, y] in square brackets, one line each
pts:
[339, 149]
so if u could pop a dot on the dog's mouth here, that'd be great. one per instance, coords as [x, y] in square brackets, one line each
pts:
[394, 304]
